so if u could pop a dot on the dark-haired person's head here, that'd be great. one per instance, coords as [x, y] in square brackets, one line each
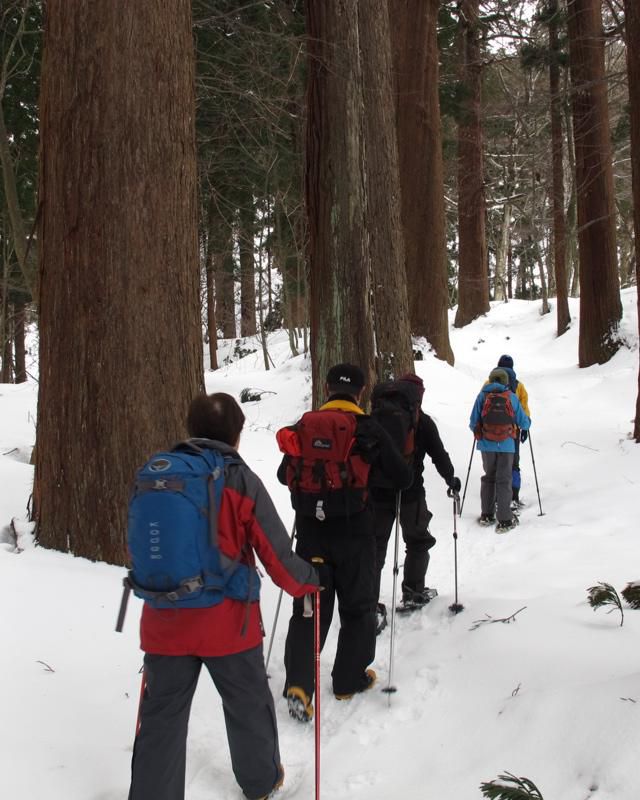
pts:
[215, 416]
[345, 379]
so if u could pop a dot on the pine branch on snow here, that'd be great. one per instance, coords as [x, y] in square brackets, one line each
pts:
[603, 594]
[510, 787]
[631, 594]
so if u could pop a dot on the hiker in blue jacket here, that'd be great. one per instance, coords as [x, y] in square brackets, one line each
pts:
[495, 419]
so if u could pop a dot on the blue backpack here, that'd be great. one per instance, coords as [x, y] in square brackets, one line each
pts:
[172, 534]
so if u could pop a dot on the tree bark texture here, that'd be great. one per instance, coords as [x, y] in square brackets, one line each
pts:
[340, 290]
[19, 348]
[16, 218]
[212, 328]
[600, 306]
[502, 252]
[473, 274]
[632, 22]
[246, 226]
[394, 353]
[563, 317]
[416, 69]
[120, 335]
[225, 285]
[6, 339]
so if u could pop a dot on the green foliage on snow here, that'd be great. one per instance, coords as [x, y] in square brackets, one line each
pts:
[510, 787]
[603, 594]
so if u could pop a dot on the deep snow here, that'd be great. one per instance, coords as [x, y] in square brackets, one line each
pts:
[554, 695]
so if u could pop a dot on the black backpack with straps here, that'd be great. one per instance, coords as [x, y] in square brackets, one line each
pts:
[395, 406]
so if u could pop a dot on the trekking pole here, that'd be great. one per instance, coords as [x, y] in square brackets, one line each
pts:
[143, 686]
[275, 619]
[316, 630]
[456, 607]
[389, 688]
[535, 475]
[464, 494]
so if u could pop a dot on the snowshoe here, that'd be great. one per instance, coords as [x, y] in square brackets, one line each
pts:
[414, 601]
[486, 519]
[299, 705]
[507, 525]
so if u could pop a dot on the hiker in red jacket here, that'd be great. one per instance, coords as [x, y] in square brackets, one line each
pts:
[226, 638]
[329, 455]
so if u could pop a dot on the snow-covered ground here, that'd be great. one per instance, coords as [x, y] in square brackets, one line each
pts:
[553, 696]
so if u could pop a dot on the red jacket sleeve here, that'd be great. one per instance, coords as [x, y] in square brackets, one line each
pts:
[267, 535]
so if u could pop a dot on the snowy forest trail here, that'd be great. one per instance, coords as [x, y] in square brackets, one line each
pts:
[553, 695]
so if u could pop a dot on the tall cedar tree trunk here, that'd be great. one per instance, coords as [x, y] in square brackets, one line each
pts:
[563, 317]
[19, 322]
[340, 290]
[415, 61]
[246, 219]
[535, 246]
[394, 355]
[212, 328]
[473, 275]
[600, 306]
[500, 283]
[6, 342]
[11, 200]
[120, 340]
[225, 289]
[632, 11]
[573, 267]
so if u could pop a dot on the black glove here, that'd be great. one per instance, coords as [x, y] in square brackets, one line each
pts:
[455, 485]
[523, 436]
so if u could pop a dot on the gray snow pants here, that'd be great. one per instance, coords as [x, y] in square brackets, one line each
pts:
[495, 485]
[159, 754]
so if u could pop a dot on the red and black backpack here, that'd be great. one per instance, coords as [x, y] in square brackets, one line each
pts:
[325, 477]
[497, 419]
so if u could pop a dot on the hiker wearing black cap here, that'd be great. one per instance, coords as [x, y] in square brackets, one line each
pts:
[330, 455]
[414, 513]
[506, 362]
[495, 419]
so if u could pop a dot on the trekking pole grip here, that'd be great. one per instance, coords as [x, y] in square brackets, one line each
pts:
[307, 606]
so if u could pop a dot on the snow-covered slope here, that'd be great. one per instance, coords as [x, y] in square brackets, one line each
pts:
[553, 695]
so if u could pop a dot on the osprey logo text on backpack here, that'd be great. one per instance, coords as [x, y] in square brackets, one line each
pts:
[497, 419]
[172, 533]
[324, 476]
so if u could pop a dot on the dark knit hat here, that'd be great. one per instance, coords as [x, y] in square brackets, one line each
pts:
[498, 375]
[411, 377]
[347, 377]
[505, 361]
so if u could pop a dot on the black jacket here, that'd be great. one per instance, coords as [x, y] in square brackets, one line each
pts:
[427, 442]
